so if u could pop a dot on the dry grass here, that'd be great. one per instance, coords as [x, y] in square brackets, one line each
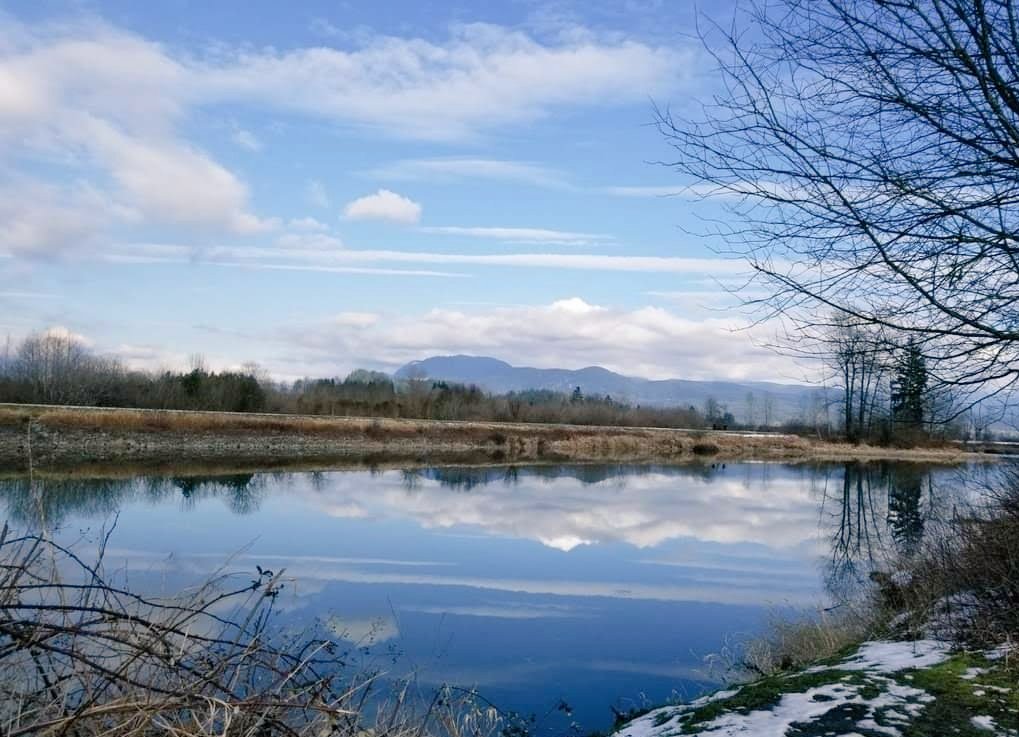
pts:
[962, 586]
[510, 441]
[964, 583]
[81, 656]
[790, 643]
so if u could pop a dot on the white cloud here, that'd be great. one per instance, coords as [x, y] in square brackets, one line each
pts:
[645, 191]
[704, 191]
[247, 139]
[309, 241]
[480, 76]
[569, 333]
[523, 235]
[80, 94]
[307, 224]
[38, 219]
[169, 181]
[384, 205]
[328, 260]
[445, 169]
[63, 333]
[355, 319]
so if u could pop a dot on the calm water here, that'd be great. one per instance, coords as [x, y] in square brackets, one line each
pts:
[600, 586]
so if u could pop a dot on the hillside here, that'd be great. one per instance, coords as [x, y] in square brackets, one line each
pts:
[787, 400]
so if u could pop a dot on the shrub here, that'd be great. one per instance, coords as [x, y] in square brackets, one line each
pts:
[964, 584]
[80, 655]
[793, 642]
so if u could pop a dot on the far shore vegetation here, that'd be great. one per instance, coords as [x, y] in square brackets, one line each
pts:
[892, 405]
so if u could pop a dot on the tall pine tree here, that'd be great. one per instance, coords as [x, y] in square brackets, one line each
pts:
[909, 388]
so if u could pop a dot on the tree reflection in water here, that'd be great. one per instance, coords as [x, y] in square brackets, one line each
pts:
[868, 510]
[48, 503]
[876, 511]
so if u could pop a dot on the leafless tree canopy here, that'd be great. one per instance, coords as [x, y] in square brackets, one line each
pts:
[868, 154]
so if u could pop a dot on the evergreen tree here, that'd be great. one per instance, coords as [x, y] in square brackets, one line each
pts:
[909, 388]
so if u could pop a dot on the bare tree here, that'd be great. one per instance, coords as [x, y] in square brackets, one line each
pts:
[59, 368]
[869, 151]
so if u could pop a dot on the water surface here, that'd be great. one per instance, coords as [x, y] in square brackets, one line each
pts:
[597, 586]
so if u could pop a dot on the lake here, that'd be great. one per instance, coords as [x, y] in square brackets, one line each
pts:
[595, 586]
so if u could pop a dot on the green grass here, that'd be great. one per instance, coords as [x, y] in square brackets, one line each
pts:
[956, 700]
[767, 692]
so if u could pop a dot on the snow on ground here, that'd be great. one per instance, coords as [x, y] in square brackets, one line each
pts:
[1001, 651]
[896, 704]
[988, 723]
[888, 657]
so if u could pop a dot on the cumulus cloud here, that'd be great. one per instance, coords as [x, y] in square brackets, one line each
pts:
[169, 181]
[384, 205]
[38, 219]
[568, 333]
[81, 94]
[650, 512]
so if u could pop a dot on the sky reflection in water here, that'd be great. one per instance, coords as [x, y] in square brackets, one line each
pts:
[594, 584]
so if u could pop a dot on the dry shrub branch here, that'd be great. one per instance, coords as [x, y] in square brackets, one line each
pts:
[82, 656]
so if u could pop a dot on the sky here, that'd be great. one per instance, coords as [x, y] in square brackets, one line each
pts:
[319, 186]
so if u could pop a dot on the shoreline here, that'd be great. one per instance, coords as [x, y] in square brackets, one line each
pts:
[47, 437]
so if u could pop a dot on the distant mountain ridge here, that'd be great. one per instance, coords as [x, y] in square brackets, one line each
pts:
[498, 377]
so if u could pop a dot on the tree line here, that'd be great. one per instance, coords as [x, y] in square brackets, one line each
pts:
[880, 393]
[53, 368]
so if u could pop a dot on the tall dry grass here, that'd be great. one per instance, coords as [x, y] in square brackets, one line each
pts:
[960, 586]
[964, 583]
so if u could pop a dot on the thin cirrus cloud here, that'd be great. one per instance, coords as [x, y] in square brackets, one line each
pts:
[329, 259]
[525, 236]
[384, 205]
[480, 76]
[444, 169]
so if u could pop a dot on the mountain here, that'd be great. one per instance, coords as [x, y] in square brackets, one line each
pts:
[498, 377]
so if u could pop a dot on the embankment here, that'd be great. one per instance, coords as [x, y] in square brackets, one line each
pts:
[913, 689]
[53, 437]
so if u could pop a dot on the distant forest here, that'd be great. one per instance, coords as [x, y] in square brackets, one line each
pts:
[49, 368]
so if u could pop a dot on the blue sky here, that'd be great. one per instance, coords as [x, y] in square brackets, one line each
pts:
[317, 186]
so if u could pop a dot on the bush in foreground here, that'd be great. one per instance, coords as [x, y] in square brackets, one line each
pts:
[81, 656]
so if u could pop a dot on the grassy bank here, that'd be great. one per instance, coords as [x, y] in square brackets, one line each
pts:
[912, 689]
[63, 436]
[932, 648]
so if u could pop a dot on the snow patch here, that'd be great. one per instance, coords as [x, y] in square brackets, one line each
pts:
[988, 723]
[999, 652]
[881, 656]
